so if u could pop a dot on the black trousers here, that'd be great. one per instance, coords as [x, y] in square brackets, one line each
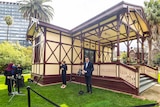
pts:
[64, 78]
[8, 81]
[10, 85]
[18, 84]
[88, 83]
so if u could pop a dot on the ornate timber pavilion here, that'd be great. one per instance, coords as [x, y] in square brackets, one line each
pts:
[96, 38]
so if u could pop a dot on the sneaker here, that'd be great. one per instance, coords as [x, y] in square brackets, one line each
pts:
[62, 86]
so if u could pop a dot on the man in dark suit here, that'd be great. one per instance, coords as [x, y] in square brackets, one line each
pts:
[88, 69]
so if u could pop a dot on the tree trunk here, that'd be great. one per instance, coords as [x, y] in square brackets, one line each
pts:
[149, 51]
[158, 38]
[7, 32]
[154, 30]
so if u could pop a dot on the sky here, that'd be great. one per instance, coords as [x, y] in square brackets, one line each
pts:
[71, 13]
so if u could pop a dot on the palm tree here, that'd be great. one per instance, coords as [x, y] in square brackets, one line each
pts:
[152, 11]
[9, 21]
[37, 9]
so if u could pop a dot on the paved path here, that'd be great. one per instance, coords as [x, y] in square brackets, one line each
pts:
[152, 93]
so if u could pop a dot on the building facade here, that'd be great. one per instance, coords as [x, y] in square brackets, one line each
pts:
[95, 38]
[17, 31]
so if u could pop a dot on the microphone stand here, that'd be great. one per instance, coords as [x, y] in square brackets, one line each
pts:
[14, 93]
[81, 92]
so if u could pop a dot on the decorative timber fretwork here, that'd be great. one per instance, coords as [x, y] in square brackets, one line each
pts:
[93, 29]
[42, 29]
[136, 23]
[52, 56]
[130, 41]
[66, 50]
[77, 54]
[114, 29]
[91, 34]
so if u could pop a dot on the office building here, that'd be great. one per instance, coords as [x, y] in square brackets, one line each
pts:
[17, 31]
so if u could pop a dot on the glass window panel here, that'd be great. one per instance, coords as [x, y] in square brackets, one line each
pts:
[90, 54]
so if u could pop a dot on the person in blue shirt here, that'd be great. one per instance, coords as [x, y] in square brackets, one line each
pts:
[63, 69]
[88, 69]
[14, 70]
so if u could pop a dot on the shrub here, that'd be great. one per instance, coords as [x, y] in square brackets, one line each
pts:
[15, 53]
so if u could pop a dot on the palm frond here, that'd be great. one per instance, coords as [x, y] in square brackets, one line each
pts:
[37, 9]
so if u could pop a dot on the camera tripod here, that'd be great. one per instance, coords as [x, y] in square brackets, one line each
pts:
[14, 92]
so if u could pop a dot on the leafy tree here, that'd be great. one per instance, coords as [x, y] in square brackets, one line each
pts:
[152, 11]
[124, 57]
[9, 21]
[157, 59]
[37, 9]
[15, 53]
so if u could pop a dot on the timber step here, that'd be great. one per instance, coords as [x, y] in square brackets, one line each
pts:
[144, 78]
[142, 75]
[145, 83]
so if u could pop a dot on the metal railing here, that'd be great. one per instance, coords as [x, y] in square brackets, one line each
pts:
[148, 105]
[29, 97]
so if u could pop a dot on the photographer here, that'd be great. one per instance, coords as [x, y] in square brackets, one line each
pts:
[19, 70]
[19, 77]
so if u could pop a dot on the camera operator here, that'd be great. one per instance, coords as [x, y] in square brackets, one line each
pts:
[9, 81]
[19, 76]
[19, 70]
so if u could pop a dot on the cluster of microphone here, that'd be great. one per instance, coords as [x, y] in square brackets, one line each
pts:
[79, 73]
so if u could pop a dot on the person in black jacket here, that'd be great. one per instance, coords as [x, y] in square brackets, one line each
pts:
[88, 69]
[19, 77]
[63, 69]
[9, 81]
[19, 70]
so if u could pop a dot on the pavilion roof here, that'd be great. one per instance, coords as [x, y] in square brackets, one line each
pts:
[126, 18]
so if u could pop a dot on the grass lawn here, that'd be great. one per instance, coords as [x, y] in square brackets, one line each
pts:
[67, 97]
